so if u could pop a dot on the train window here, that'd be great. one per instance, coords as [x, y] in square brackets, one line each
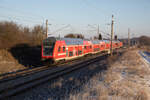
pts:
[76, 53]
[79, 52]
[63, 49]
[84, 47]
[59, 48]
[96, 49]
[70, 54]
[90, 47]
[102, 46]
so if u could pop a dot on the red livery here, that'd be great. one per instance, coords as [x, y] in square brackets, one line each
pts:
[56, 49]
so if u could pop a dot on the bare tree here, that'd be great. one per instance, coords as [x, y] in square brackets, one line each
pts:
[144, 40]
[116, 38]
[12, 34]
[74, 36]
[38, 34]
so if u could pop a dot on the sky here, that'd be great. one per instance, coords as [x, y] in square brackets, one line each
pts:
[81, 16]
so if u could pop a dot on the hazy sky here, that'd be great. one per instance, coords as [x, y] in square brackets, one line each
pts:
[133, 14]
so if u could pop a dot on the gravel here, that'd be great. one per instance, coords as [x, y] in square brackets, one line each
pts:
[65, 86]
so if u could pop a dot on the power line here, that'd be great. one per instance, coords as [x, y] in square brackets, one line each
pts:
[25, 14]
[62, 28]
[20, 19]
[22, 12]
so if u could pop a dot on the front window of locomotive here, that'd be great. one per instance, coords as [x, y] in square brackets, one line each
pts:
[48, 47]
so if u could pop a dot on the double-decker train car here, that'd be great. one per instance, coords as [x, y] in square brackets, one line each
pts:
[87, 47]
[95, 46]
[107, 45]
[57, 49]
[102, 45]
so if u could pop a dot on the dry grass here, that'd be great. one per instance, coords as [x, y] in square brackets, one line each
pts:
[128, 85]
[12, 35]
[126, 79]
[8, 63]
[57, 83]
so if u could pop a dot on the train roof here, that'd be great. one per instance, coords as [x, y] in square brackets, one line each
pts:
[95, 41]
[76, 41]
[98, 41]
[116, 41]
[68, 41]
[106, 41]
[72, 41]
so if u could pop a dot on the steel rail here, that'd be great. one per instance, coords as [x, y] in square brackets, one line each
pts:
[14, 89]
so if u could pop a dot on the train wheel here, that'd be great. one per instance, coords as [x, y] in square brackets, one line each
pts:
[48, 62]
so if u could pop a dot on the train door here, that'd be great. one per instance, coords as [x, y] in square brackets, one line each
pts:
[82, 50]
[66, 52]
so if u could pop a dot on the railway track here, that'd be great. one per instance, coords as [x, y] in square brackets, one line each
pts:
[12, 87]
[20, 73]
[25, 72]
[18, 85]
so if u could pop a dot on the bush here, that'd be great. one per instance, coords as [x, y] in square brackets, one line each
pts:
[144, 40]
[12, 34]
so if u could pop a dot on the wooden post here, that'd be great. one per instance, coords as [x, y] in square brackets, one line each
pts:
[128, 38]
[112, 32]
[46, 28]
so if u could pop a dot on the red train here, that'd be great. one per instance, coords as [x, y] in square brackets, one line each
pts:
[56, 49]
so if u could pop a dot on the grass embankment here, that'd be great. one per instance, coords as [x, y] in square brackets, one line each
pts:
[19, 57]
[8, 63]
[18, 45]
[126, 79]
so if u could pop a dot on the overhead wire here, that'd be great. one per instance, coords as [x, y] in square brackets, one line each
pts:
[25, 16]
[14, 18]
[61, 28]
[22, 12]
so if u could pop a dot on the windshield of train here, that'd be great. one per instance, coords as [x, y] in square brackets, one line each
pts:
[48, 48]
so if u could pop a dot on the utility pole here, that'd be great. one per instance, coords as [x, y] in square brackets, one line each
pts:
[98, 29]
[128, 37]
[112, 32]
[46, 28]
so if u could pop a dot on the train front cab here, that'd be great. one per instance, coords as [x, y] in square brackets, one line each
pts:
[48, 46]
